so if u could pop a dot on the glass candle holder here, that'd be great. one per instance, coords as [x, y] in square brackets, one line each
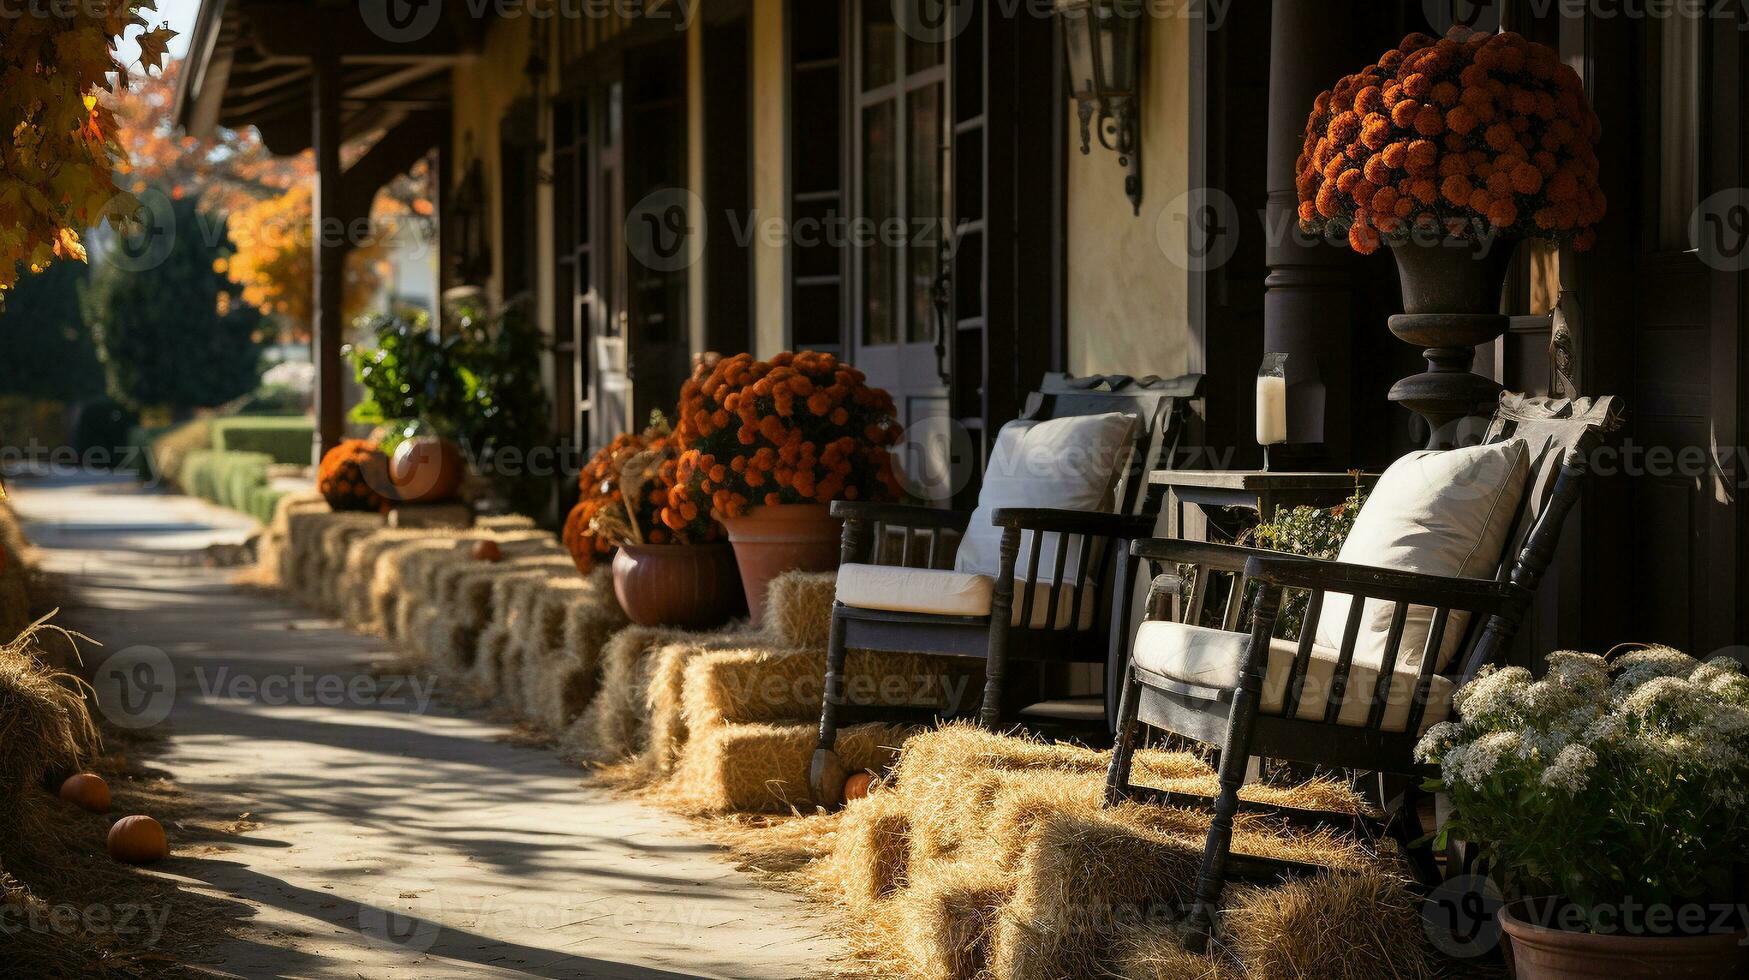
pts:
[1271, 403]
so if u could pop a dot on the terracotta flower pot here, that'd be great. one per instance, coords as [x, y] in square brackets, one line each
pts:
[772, 540]
[1538, 952]
[688, 586]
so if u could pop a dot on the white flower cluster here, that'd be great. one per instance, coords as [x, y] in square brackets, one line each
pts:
[1651, 712]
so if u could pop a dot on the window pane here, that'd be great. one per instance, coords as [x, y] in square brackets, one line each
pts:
[925, 54]
[880, 49]
[1679, 98]
[879, 258]
[923, 197]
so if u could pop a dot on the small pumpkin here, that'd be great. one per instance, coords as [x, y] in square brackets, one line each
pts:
[355, 476]
[488, 550]
[138, 840]
[858, 786]
[427, 470]
[87, 791]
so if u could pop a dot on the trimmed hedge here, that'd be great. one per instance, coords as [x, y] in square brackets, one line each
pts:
[231, 479]
[287, 439]
[170, 449]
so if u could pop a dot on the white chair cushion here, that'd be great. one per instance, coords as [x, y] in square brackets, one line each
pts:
[1069, 463]
[944, 592]
[1214, 658]
[1438, 513]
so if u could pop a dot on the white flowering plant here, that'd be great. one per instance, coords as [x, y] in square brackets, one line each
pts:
[1604, 782]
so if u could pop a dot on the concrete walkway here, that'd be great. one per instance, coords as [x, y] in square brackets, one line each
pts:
[397, 838]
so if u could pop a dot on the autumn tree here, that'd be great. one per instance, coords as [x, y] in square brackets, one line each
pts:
[59, 156]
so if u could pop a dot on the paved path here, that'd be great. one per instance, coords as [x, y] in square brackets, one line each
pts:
[398, 839]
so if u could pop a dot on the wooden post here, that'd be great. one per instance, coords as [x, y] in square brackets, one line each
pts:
[329, 247]
[1307, 305]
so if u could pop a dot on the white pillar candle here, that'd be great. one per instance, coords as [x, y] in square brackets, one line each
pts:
[1271, 410]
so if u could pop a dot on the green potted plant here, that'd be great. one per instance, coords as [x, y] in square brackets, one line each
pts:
[766, 446]
[1610, 800]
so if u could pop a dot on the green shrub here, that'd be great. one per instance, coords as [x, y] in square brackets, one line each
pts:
[140, 441]
[262, 501]
[170, 449]
[285, 438]
[229, 479]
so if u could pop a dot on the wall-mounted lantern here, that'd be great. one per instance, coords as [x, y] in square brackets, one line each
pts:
[1104, 42]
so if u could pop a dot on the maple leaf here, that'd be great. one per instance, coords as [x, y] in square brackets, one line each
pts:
[153, 45]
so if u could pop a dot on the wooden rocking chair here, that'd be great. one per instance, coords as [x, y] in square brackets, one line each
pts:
[898, 592]
[1255, 695]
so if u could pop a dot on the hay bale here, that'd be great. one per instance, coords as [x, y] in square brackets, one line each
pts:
[558, 678]
[45, 726]
[384, 596]
[869, 858]
[15, 584]
[612, 727]
[947, 922]
[1080, 879]
[1363, 926]
[1152, 952]
[358, 572]
[798, 608]
[764, 768]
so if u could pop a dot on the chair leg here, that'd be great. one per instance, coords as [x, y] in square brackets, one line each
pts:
[827, 773]
[1235, 759]
[1123, 749]
[996, 655]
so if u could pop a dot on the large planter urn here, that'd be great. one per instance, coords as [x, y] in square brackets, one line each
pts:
[1451, 305]
[771, 540]
[1538, 952]
[686, 586]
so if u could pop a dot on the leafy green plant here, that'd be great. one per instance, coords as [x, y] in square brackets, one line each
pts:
[1315, 532]
[476, 382]
[1606, 782]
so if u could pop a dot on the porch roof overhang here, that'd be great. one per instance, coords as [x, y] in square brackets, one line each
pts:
[250, 62]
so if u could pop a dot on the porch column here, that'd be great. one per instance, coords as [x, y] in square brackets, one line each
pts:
[1306, 305]
[328, 246]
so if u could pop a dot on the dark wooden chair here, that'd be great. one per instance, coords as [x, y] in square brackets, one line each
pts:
[1060, 627]
[1559, 435]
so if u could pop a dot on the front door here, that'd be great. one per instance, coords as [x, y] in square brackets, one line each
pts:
[898, 330]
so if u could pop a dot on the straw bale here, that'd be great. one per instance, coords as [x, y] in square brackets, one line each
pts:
[45, 726]
[798, 608]
[611, 727]
[947, 922]
[867, 861]
[559, 672]
[764, 768]
[358, 571]
[1362, 926]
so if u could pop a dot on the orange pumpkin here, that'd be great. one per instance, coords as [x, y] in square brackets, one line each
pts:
[858, 786]
[138, 840]
[87, 791]
[488, 550]
[426, 470]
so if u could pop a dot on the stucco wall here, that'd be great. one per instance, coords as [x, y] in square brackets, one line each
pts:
[1126, 277]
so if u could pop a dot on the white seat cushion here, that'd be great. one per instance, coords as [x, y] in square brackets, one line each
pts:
[1070, 463]
[1214, 658]
[1438, 513]
[944, 592]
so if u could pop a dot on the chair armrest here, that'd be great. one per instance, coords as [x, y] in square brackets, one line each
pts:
[903, 515]
[1220, 557]
[1091, 523]
[1468, 594]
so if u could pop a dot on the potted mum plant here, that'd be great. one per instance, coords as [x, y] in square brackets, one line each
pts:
[667, 570]
[768, 445]
[1445, 144]
[1610, 800]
